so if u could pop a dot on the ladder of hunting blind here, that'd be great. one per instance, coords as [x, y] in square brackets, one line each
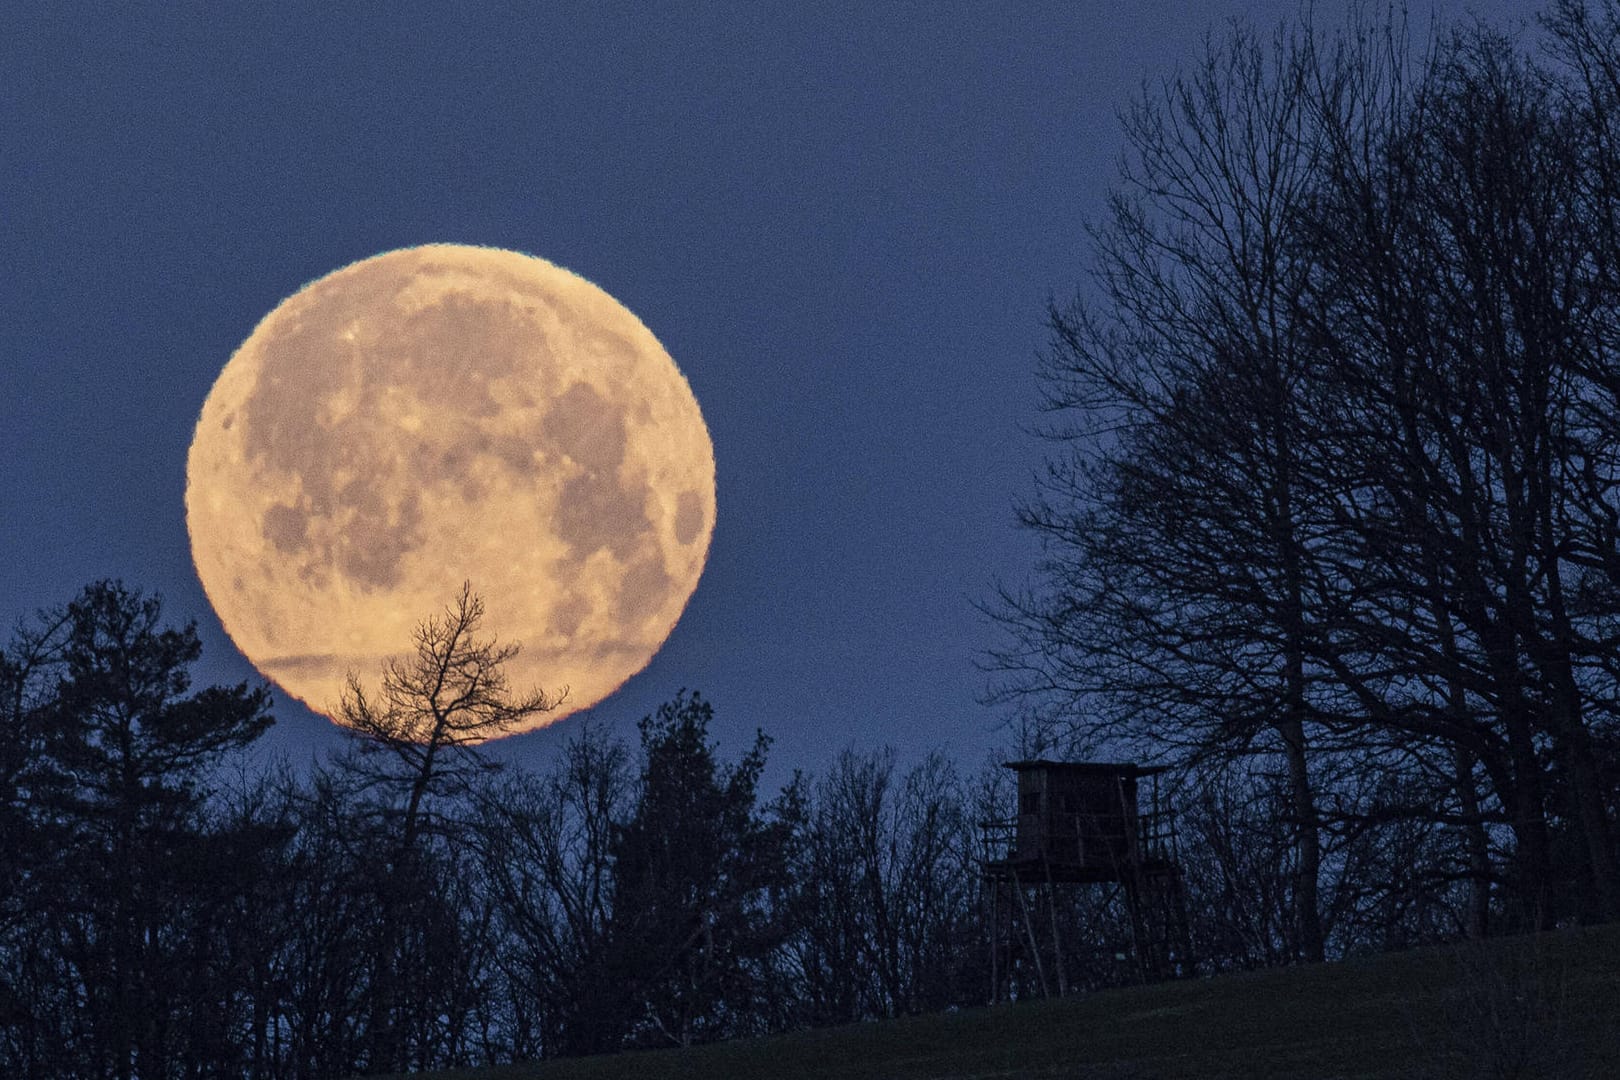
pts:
[1158, 897]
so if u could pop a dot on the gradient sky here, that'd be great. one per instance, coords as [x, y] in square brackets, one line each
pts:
[843, 221]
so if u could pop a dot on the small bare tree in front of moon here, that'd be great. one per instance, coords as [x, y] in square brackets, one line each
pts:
[436, 704]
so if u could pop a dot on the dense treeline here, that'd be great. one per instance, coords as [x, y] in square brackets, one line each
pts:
[168, 912]
[165, 912]
[1332, 527]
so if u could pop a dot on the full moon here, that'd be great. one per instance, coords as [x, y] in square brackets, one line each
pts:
[442, 414]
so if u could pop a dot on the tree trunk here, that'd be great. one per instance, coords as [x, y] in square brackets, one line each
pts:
[1479, 851]
[1532, 855]
[1573, 743]
[1307, 844]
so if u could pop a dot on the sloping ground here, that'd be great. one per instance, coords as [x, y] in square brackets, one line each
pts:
[1547, 1006]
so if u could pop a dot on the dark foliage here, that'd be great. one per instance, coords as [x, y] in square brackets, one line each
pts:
[694, 871]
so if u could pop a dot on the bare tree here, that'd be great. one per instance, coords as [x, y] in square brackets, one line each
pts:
[418, 739]
[885, 904]
[545, 849]
[1179, 515]
[1338, 467]
[437, 704]
[1462, 303]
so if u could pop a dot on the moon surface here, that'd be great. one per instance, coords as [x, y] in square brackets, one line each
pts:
[442, 414]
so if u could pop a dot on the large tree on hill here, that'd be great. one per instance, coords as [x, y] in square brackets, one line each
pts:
[421, 729]
[1471, 333]
[1338, 461]
[1178, 514]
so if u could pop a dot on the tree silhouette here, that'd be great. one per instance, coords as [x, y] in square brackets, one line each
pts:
[545, 846]
[436, 705]
[417, 740]
[1336, 465]
[694, 868]
[122, 767]
[1178, 594]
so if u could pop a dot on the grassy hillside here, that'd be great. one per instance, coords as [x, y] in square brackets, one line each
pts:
[1551, 1002]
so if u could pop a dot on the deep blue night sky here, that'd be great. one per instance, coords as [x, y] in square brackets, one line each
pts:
[843, 221]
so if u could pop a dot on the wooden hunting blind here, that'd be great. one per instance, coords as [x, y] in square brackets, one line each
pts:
[1081, 823]
[1080, 819]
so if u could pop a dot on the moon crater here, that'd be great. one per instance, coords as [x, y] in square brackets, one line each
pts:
[441, 414]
